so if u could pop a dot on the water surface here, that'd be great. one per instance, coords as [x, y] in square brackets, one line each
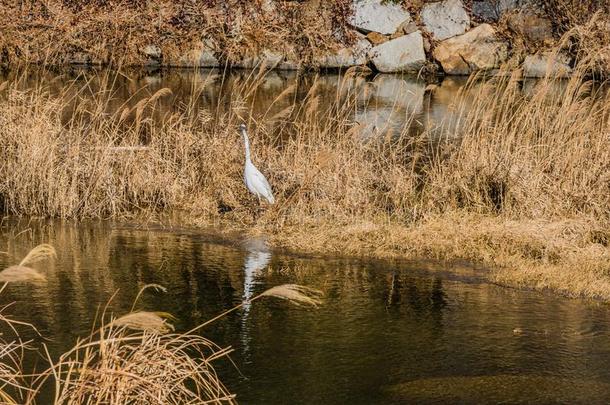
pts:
[385, 103]
[388, 332]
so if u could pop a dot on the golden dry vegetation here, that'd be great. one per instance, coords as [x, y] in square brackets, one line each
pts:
[522, 184]
[117, 32]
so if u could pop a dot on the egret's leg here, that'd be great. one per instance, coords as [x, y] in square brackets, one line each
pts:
[259, 208]
[256, 209]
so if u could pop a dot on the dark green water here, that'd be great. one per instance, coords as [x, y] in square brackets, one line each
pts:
[388, 332]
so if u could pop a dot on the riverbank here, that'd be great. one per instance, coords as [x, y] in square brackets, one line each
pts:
[520, 185]
[567, 256]
[429, 38]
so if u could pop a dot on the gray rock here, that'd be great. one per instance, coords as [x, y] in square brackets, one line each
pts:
[531, 26]
[445, 19]
[347, 57]
[492, 10]
[403, 54]
[547, 63]
[206, 56]
[371, 15]
[409, 27]
[207, 59]
[478, 49]
[152, 51]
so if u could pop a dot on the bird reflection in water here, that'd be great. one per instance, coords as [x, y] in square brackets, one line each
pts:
[257, 258]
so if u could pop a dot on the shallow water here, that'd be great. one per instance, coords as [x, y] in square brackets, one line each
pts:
[385, 103]
[388, 332]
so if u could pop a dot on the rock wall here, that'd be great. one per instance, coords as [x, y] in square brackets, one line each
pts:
[440, 37]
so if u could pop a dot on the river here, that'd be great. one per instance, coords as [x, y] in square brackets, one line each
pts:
[387, 332]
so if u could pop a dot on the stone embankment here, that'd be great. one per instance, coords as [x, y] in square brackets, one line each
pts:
[442, 37]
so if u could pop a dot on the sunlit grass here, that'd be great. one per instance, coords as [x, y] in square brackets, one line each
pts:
[97, 32]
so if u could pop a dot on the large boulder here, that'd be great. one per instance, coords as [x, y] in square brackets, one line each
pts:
[445, 19]
[372, 15]
[478, 49]
[347, 57]
[548, 63]
[403, 54]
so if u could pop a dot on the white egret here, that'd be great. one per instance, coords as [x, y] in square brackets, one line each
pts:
[254, 179]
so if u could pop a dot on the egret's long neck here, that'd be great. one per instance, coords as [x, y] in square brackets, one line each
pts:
[246, 144]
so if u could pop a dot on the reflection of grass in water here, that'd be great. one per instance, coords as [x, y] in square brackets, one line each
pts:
[12, 381]
[135, 358]
[500, 389]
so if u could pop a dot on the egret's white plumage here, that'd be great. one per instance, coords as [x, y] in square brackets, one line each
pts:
[254, 179]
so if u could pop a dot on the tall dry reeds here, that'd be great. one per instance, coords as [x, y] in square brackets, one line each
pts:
[148, 366]
[101, 163]
[537, 154]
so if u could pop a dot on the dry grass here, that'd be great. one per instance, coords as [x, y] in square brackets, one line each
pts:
[117, 31]
[39, 253]
[524, 185]
[147, 321]
[567, 14]
[23, 273]
[296, 294]
[117, 367]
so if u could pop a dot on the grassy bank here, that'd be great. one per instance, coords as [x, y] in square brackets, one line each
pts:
[523, 184]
